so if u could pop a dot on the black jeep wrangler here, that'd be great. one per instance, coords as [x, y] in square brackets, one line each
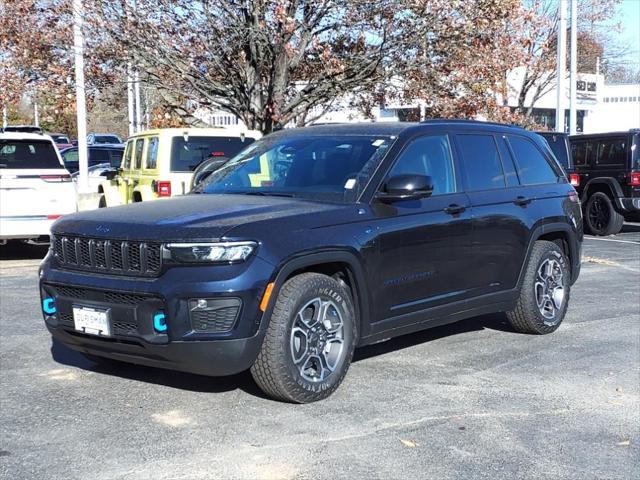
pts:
[606, 174]
[314, 241]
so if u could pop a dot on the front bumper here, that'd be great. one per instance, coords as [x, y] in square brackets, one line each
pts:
[630, 205]
[223, 342]
[214, 357]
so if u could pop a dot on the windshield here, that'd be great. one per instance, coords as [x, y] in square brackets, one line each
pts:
[187, 154]
[106, 139]
[28, 154]
[324, 167]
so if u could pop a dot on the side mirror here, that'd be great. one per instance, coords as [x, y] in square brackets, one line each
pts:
[405, 187]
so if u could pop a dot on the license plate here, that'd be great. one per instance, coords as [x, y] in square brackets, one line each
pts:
[92, 321]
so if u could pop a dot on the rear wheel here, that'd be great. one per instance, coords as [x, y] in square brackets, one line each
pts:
[309, 342]
[102, 203]
[544, 292]
[601, 216]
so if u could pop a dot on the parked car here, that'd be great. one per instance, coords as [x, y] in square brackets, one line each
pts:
[35, 188]
[97, 155]
[61, 140]
[607, 177]
[313, 241]
[104, 138]
[21, 128]
[160, 163]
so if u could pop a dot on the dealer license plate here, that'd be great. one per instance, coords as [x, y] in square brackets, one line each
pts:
[92, 321]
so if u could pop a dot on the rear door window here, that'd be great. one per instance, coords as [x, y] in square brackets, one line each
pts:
[580, 152]
[612, 152]
[139, 148]
[186, 155]
[482, 165]
[533, 167]
[23, 154]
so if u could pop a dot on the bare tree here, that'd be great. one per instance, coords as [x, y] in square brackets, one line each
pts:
[268, 62]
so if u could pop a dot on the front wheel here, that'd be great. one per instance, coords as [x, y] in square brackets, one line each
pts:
[601, 216]
[309, 342]
[544, 292]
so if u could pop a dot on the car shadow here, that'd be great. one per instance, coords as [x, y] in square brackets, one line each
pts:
[497, 321]
[630, 228]
[22, 251]
[243, 381]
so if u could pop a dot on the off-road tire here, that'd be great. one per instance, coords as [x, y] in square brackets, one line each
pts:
[614, 220]
[526, 316]
[274, 370]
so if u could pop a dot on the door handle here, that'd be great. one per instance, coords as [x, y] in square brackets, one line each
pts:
[522, 201]
[454, 209]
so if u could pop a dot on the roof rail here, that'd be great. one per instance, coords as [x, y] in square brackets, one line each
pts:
[463, 120]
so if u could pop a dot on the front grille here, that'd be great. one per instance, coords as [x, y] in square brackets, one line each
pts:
[108, 256]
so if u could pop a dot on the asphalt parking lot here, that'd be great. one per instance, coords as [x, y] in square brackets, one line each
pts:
[469, 400]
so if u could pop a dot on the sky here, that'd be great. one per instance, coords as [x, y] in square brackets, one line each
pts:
[629, 16]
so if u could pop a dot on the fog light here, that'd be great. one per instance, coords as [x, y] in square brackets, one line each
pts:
[49, 306]
[159, 322]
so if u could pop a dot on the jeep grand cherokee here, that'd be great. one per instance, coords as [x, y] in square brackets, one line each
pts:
[314, 241]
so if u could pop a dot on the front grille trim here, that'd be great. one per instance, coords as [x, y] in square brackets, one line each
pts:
[117, 257]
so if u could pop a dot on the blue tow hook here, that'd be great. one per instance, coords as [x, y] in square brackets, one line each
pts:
[159, 322]
[49, 306]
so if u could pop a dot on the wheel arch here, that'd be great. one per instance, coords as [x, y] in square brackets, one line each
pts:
[562, 235]
[605, 185]
[340, 264]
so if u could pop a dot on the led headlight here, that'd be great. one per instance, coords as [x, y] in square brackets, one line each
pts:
[224, 252]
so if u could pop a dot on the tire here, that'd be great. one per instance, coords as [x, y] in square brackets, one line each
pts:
[102, 203]
[529, 316]
[278, 370]
[601, 217]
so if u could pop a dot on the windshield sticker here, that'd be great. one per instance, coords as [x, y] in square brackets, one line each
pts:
[350, 184]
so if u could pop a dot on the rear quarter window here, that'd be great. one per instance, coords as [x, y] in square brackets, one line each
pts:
[612, 152]
[533, 168]
[152, 153]
[23, 154]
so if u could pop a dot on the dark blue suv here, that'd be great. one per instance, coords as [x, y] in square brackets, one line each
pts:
[314, 241]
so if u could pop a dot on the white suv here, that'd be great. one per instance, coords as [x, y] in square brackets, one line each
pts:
[35, 188]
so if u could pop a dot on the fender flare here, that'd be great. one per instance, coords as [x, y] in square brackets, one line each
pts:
[611, 183]
[303, 260]
[145, 191]
[573, 243]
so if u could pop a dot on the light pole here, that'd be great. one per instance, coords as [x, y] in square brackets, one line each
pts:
[81, 108]
[562, 64]
[573, 77]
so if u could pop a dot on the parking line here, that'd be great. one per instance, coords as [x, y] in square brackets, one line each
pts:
[611, 240]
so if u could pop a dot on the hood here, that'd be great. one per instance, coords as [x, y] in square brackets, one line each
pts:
[191, 217]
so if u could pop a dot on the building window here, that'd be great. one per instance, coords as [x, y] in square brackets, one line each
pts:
[606, 99]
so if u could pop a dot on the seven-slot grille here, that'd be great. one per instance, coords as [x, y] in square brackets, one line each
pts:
[108, 256]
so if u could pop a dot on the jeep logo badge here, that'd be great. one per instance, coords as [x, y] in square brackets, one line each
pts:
[103, 229]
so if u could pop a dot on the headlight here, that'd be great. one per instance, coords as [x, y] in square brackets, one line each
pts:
[226, 252]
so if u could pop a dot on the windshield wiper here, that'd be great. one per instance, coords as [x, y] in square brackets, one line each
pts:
[269, 194]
